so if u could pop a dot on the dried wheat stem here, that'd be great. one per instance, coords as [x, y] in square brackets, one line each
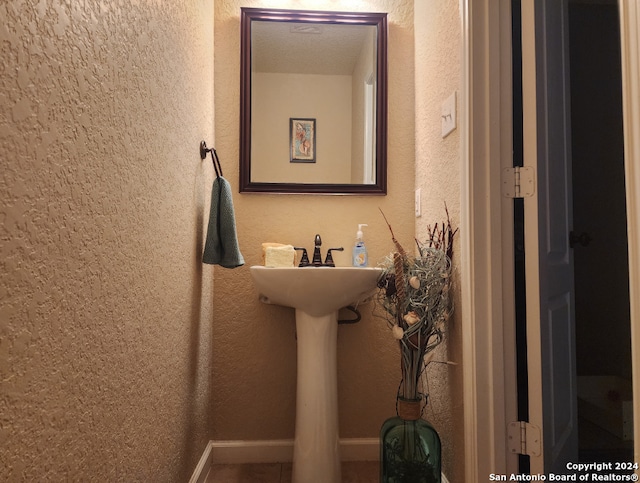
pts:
[398, 265]
[401, 250]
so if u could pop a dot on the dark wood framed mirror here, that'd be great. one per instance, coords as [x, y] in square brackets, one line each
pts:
[313, 102]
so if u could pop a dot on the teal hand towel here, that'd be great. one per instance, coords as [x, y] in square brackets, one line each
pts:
[221, 247]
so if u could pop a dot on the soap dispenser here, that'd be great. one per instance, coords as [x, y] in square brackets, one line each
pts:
[360, 258]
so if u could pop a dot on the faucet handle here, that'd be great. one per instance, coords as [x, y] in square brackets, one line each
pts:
[304, 261]
[329, 260]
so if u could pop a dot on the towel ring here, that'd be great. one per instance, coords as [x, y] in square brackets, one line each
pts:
[214, 157]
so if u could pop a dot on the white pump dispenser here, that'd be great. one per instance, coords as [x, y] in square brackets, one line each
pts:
[360, 258]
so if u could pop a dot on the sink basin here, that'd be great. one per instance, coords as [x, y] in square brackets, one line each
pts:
[316, 294]
[316, 291]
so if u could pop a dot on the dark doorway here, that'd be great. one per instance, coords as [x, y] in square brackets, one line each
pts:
[601, 277]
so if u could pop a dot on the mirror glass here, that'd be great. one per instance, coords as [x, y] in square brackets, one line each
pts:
[313, 102]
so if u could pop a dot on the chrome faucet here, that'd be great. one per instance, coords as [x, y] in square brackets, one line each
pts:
[316, 261]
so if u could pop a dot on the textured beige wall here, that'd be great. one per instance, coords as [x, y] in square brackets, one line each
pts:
[437, 57]
[105, 308]
[105, 341]
[254, 344]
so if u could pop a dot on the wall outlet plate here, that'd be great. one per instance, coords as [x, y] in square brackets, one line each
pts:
[449, 114]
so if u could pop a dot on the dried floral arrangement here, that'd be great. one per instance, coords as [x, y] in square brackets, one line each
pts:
[415, 295]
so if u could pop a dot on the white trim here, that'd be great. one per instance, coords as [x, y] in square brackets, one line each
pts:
[281, 451]
[630, 55]
[532, 263]
[360, 449]
[259, 451]
[204, 465]
[369, 130]
[486, 254]
[467, 272]
[469, 392]
[277, 451]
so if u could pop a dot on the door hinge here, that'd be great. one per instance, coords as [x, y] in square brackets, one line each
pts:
[518, 182]
[523, 438]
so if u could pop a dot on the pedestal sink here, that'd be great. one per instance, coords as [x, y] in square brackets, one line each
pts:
[316, 294]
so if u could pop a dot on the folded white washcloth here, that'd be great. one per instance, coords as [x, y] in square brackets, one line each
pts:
[279, 256]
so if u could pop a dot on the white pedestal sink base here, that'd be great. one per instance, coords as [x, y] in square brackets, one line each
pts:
[317, 293]
[316, 453]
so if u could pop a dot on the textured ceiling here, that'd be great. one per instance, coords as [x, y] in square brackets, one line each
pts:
[304, 48]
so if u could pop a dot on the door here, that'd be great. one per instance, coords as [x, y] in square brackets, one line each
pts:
[550, 312]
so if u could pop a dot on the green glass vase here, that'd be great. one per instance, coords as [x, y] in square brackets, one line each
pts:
[409, 447]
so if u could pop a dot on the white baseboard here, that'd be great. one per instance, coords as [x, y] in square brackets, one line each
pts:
[360, 449]
[204, 465]
[281, 451]
[258, 451]
[277, 451]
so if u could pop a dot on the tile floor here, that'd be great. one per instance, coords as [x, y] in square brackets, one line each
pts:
[352, 472]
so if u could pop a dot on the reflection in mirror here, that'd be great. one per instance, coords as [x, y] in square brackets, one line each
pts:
[313, 102]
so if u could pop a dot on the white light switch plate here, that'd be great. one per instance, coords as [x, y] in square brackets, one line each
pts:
[418, 205]
[449, 115]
